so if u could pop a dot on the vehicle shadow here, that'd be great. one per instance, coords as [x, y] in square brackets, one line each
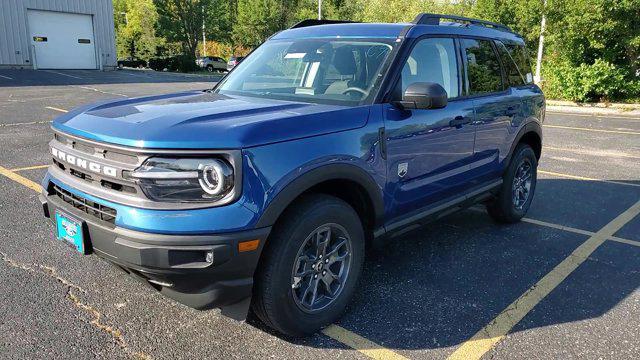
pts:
[436, 287]
[28, 77]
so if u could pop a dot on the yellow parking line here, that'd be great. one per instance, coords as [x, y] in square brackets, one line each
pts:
[579, 231]
[586, 178]
[30, 168]
[20, 179]
[625, 241]
[496, 330]
[357, 342]
[588, 152]
[559, 227]
[56, 109]
[593, 130]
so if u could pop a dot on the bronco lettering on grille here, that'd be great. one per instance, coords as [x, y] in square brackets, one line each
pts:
[83, 163]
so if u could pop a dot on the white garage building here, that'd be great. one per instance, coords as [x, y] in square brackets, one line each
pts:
[57, 34]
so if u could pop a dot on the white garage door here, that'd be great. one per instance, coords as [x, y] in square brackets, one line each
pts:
[62, 40]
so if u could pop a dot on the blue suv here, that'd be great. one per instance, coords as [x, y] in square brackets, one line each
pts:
[263, 192]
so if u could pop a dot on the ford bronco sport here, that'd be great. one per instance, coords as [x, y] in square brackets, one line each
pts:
[263, 192]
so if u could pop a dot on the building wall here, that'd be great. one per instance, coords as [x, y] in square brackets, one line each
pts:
[15, 48]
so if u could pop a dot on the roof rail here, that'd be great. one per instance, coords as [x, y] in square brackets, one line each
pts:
[314, 22]
[434, 19]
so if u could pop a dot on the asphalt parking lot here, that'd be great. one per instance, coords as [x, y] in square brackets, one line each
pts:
[561, 284]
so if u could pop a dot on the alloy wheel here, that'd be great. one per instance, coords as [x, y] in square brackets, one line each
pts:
[521, 187]
[321, 268]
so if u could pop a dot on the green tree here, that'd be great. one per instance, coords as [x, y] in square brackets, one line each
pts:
[259, 19]
[181, 21]
[594, 50]
[135, 22]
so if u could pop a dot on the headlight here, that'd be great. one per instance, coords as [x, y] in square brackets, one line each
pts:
[185, 179]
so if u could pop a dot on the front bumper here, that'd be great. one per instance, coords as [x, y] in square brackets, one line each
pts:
[176, 265]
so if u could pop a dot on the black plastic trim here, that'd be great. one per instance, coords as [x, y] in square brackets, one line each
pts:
[317, 176]
[439, 209]
[531, 126]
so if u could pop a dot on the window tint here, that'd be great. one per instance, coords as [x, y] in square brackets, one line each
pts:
[514, 77]
[433, 60]
[483, 68]
[520, 55]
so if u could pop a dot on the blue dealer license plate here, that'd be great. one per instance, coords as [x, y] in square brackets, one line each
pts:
[70, 230]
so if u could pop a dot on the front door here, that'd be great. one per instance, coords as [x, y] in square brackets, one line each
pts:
[428, 151]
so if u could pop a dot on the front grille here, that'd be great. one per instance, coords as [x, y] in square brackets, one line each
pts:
[105, 156]
[99, 211]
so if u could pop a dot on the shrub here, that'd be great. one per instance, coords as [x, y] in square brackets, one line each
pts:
[600, 81]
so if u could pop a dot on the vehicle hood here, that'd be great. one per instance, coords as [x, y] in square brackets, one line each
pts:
[204, 120]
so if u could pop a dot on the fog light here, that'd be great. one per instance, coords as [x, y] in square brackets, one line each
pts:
[209, 257]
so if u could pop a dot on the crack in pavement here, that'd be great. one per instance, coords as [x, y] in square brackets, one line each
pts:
[49, 271]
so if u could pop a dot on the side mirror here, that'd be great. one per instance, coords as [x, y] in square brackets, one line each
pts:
[423, 95]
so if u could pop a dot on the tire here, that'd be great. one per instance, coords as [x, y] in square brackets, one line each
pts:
[277, 293]
[209, 68]
[505, 208]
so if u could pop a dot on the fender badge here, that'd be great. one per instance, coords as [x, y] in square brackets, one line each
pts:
[403, 168]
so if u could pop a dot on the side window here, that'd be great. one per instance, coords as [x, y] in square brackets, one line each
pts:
[520, 54]
[514, 77]
[483, 68]
[433, 60]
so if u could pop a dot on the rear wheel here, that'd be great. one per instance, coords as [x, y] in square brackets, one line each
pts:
[209, 68]
[515, 196]
[310, 267]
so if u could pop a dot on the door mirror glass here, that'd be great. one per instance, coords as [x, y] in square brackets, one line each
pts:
[423, 95]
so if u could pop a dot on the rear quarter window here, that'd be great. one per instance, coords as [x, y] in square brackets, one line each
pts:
[483, 67]
[514, 76]
[520, 55]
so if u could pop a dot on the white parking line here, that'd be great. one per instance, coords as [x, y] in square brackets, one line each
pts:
[25, 123]
[63, 74]
[100, 91]
[598, 116]
[6, 77]
[56, 109]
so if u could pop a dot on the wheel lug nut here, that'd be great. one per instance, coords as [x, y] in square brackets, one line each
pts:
[326, 261]
[315, 276]
[324, 272]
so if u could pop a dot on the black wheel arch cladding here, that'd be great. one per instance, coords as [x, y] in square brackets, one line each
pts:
[322, 174]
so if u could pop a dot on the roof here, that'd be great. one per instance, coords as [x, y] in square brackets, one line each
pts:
[393, 31]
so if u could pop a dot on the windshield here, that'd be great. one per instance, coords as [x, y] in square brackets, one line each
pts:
[333, 71]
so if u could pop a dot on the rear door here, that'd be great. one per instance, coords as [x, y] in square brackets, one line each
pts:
[496, 107]
[429, 151]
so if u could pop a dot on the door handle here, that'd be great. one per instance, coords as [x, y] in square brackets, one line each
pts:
[459, 121]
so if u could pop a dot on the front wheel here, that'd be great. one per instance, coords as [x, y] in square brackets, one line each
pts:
[519, 184]
[310, 267]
